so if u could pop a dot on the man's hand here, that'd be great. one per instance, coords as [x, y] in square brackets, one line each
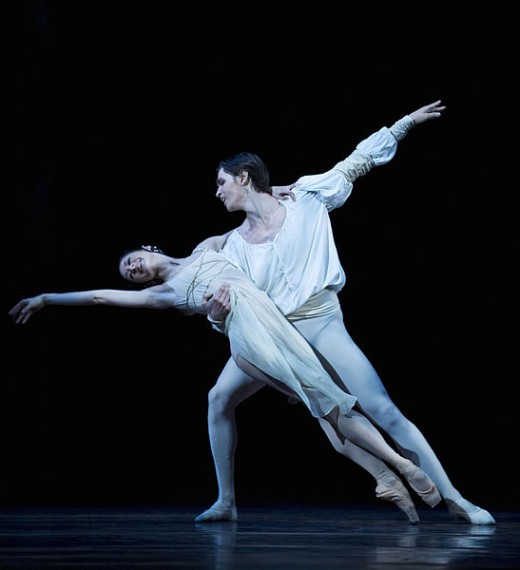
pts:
[428, 112]
[284, 192]
[218, 304]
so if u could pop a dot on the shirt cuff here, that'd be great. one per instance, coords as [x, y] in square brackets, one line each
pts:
[401, 127]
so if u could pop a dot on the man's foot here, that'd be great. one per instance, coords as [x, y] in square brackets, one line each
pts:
[463, 509]
[390, 488]
[218, 513]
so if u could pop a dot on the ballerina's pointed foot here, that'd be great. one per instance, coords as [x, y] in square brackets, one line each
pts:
[391, 489]
[463, 509]
[422, 485]
[218, 513]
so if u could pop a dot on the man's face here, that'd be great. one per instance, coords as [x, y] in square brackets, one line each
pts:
[230, 190]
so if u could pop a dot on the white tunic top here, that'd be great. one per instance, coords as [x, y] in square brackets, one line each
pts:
[302, 259]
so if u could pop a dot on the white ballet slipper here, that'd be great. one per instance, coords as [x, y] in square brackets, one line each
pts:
[463, 509]
[218, 513]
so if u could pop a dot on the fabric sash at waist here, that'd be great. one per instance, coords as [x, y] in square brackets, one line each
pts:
[323, 303]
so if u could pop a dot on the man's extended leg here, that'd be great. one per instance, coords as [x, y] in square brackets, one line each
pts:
[361, 379]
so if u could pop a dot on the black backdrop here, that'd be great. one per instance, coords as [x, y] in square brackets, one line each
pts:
[123, 110]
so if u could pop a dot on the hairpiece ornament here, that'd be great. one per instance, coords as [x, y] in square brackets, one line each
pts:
[152, 248]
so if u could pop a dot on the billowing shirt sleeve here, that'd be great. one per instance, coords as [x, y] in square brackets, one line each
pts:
[333, 187]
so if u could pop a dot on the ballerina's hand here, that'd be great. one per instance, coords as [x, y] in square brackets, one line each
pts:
[24, 309]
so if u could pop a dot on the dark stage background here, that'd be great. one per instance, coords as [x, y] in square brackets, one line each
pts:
[123, 110]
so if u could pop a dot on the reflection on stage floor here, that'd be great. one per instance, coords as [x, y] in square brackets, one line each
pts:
[267, 538]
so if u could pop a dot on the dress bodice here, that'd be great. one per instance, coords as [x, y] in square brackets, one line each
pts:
[204, 274]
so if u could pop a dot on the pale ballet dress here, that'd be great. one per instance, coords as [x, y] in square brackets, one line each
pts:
[259, 333]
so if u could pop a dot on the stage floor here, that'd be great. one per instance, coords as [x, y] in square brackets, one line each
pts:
[268, 538]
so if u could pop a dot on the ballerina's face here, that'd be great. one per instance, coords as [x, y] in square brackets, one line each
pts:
[138, 266]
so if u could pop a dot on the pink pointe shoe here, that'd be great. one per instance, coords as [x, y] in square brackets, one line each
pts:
[391, 489]
[422, 484]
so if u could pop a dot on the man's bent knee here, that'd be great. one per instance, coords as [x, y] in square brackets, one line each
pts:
[219, 402]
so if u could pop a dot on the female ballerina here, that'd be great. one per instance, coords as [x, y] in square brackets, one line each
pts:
[277, 354]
